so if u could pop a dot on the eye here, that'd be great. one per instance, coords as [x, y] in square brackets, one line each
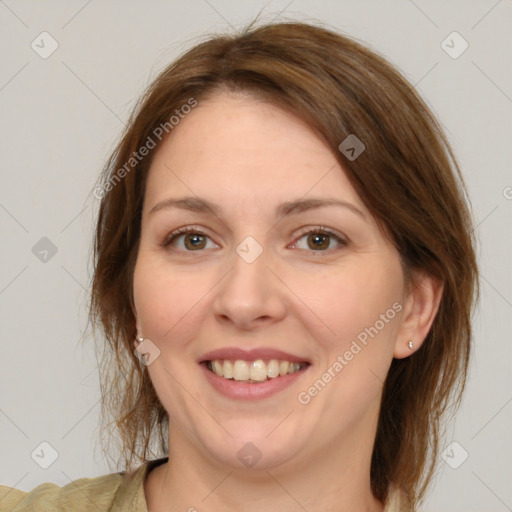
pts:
[193, 239]
[319, 240]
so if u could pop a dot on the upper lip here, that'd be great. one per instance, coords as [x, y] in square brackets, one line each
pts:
[233, 354]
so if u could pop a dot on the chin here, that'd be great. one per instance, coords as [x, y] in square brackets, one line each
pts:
[254, 446]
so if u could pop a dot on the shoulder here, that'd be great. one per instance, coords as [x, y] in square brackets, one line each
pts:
[114, 492]
[79, 495]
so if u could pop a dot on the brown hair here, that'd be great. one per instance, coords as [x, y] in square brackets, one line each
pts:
[407, 177]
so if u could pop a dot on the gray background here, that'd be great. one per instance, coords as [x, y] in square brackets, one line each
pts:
[60, 118]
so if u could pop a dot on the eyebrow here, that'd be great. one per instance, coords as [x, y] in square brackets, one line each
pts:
[200, 205]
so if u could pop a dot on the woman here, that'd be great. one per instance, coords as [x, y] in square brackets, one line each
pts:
[284, 273]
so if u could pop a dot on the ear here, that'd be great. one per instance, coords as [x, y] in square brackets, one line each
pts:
[420, 309]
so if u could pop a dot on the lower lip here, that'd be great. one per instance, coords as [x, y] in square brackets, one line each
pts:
[251, 391]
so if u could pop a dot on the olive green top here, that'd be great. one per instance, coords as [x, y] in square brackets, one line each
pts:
[116, 492]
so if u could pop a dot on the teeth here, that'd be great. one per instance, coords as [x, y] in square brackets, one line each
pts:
[258, 370]
[253, 371]
[227, 369]
[240, 370]
[218, 368]
[273, 369]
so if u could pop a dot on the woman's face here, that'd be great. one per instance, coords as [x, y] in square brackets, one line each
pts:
[287, 267]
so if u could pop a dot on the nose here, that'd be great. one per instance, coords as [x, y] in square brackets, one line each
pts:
[250, 295]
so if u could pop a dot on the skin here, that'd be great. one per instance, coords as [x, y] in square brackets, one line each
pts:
[248, 157]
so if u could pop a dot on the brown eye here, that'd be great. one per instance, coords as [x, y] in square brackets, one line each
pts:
[194, 241]
[320, 240]
[187, 240]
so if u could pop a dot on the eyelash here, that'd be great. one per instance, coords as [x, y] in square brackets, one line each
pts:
[319, 230]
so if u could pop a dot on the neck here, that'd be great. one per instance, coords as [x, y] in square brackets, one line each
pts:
[334, 480]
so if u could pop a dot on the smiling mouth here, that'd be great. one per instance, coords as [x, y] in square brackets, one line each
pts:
[253, 371]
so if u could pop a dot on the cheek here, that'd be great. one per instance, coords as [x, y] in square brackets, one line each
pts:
[352, 303]
[165, 300]
[359, 312]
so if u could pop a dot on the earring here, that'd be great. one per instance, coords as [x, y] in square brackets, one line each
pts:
[139, 349]
[411, 345]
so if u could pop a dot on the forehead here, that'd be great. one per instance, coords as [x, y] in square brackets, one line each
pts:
[234, 145]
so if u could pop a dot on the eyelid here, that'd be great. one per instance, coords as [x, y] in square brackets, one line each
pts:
[341, 239]
[171, 237]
